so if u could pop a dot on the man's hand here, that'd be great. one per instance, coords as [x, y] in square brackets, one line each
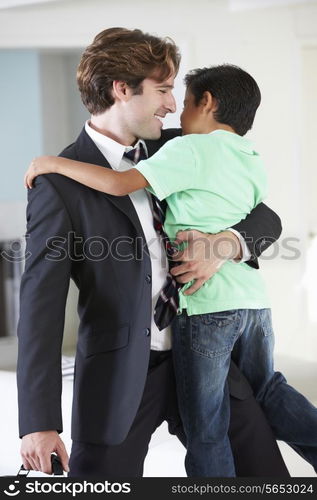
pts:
[204, 256]
[36, 451]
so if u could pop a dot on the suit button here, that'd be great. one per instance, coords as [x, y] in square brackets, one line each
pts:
[148, 278]
[147, 331]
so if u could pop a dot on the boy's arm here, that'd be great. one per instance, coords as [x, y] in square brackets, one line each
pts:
[169, 170]
[102, 179]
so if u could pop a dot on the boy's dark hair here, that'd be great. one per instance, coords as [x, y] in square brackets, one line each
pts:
[236, 92]
[126, 55]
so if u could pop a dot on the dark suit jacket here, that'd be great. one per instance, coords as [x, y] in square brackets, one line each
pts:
[79, 233]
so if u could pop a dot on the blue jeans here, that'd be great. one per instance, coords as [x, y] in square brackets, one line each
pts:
[202, 348]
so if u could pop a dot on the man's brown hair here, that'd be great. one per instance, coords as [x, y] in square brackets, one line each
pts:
[126, 55]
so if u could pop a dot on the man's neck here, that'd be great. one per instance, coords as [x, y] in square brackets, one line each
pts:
[108, 124]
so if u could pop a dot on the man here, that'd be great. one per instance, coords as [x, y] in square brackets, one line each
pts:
[124, 384]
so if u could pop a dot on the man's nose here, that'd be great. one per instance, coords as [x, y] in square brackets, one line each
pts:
[171, 103]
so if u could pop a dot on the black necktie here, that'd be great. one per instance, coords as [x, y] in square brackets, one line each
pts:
[167, 304]
[137, 154]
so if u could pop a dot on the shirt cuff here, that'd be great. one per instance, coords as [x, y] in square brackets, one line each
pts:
[246, 254]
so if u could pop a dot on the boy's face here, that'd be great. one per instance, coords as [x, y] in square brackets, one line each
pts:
[192, 117]
[143, 112]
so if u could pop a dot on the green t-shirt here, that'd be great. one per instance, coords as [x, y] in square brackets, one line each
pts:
[210, 183]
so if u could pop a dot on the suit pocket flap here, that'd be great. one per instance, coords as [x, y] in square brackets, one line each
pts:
[104, 341]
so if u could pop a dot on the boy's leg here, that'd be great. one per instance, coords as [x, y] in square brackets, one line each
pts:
[292, 417]
[253, 444]
[201, 350]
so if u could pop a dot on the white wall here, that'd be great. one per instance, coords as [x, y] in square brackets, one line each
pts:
[266, 42]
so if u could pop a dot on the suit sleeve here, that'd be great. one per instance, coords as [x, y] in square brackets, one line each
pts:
[260, 229]
[43, 295]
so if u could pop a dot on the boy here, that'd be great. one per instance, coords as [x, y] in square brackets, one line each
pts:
[214, 170]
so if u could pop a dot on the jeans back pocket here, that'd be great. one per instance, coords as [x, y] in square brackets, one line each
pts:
[214, 334]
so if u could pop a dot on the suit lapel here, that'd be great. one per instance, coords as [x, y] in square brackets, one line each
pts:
[88, 152]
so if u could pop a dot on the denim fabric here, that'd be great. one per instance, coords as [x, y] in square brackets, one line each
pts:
[202, 348]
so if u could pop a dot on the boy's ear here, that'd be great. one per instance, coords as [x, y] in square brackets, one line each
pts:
[209, 102]
[121, 90]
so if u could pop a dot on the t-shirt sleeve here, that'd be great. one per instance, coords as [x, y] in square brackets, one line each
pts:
[172, 169]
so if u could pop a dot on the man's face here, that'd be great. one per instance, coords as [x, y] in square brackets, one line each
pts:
[191, 116]
[144, 112]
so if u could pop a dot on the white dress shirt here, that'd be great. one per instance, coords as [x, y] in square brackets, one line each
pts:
[113, 152]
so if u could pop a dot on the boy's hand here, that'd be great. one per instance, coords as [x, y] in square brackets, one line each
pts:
[38, 166]
[204, 256]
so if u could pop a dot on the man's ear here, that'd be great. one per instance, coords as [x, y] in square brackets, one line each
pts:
[121, 90]
[209, 102]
